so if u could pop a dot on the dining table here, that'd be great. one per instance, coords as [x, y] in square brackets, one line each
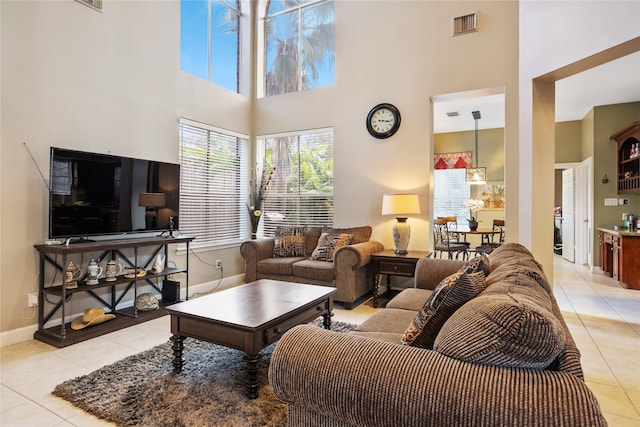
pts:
[482, 232]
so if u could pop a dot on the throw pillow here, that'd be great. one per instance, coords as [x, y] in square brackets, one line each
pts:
[360, 234]
[446, 298]
[328, 244]
[289, 241]
[479, 263]
[502, 330]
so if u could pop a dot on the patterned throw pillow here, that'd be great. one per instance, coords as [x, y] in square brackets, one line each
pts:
[480, 263]
[328, 244]
[289, 241]
[507, 330]
[447, 297]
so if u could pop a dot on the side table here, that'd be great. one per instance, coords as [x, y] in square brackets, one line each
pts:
[389, 263]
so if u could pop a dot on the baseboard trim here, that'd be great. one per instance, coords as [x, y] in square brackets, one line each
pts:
[25, 333]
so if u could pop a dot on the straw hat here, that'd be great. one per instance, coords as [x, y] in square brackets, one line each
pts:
[91, 316]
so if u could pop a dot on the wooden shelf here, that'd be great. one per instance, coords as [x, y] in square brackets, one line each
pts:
[52, 335]
[626, 139]
[62, 335]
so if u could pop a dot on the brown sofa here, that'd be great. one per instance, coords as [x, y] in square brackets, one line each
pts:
[503, 358]
[349, 271]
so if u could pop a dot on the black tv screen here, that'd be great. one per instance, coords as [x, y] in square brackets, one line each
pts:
[94, 194]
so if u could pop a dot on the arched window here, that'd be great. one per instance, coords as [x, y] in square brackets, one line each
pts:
[210, 40]
[299, 45]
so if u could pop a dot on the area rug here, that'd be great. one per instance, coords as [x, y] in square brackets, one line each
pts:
[141, 390]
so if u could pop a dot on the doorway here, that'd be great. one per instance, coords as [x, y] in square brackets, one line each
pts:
[574, 218]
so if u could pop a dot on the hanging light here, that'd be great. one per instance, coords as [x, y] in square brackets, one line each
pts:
[476, 175]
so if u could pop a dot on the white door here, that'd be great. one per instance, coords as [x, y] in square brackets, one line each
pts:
[568, 178]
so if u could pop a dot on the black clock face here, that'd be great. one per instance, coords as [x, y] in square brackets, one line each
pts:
[383, 121]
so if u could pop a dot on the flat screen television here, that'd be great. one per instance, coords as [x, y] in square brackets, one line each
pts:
[94, 194]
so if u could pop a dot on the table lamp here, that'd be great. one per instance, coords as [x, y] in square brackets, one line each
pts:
[401, 205]
[151, 201]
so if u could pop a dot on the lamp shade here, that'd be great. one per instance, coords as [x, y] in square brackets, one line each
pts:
[400, 204]
[152, 200]
[476, 176]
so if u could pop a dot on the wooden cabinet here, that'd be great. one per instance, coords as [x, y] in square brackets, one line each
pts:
[53, 296]
[628, 141]
[620, 256]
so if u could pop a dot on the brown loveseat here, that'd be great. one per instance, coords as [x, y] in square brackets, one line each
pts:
[348, 272]
[503, 358]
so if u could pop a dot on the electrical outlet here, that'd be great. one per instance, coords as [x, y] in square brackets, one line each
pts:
[218, 264]
[32, 299]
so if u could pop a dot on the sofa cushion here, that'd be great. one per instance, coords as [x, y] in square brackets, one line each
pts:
[410, 299]
[317, 270]
[360, 234]
[311, 239]
[446, 298]
[479, 263]
[502, 330]
[328, 244]
[279, 266]
[289, 241]
[517, 270]
[389, 320]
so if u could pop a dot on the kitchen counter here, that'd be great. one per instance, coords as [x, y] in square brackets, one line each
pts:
[620, 255]
[621, 232]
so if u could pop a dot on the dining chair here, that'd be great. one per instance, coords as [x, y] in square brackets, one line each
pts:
[443, 242]
[490, 242]
[452, 224]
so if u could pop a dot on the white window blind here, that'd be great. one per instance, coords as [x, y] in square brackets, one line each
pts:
[450, 192]
[301, 191]
[213, 184]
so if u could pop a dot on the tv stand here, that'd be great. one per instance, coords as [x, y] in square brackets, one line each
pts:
[75, 240]
[54, 258]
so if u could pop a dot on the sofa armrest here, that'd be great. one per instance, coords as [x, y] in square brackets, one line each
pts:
[431, 271]
[353, 257]
[355, 380]
[253, 251]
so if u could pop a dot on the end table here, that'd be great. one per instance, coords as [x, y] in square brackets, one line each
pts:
[389, 263]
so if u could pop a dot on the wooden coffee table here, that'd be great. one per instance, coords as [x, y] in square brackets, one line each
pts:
[248, 318]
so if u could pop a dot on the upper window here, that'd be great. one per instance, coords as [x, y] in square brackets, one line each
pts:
[301, 188]
[299, 45]
[213, 184]
[209, 40]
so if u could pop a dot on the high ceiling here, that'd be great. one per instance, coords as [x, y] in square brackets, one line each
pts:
[615, 82]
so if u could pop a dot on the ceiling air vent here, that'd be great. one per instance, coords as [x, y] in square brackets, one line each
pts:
[464, 24]
[95, 4]
[453, 114]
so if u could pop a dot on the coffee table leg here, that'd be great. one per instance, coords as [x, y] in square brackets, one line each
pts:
[252, 374]
[177, 344]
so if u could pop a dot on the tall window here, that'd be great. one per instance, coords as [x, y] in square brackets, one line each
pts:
[209, 40]
[301, 191]
[299, 49]
[213, 184]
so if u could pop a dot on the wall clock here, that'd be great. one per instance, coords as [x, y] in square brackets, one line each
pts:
[383, 121]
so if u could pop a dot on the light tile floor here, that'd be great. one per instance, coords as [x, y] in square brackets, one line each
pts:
[604, 320]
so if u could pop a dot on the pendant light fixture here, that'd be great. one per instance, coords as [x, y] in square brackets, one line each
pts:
[476, 175]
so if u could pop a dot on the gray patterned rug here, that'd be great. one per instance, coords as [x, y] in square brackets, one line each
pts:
[140, 390]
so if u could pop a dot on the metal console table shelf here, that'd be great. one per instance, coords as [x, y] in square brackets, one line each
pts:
[63, 335]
